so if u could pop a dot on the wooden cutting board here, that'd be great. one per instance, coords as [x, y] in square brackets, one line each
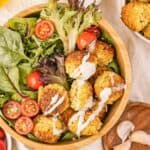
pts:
[139, 114]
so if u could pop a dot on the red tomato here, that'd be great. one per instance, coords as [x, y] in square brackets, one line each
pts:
[2, 145]
[30, 108]
[44, 29]
[94, 29]
[12, 109]
[84, 39]
[2, 134]
[33, 80]
[24, 125]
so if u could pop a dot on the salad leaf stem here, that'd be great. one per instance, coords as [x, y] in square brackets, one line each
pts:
[13, 85]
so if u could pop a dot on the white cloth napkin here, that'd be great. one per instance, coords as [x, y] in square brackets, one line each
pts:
[139, 51]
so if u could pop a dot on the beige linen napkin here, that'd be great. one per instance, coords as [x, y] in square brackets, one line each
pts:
[139, 51]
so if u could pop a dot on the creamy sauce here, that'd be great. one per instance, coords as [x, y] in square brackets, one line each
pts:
[124, 146]
[56, 101]
[105, 94]
[140, 137]
[55, 130]
[124, 129]
[82, 124]
[91, 47]
[112, 79]
[119, 87]
[89, 103]
[85, 70]
[80, 82]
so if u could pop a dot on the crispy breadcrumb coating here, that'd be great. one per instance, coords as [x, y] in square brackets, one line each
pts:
[136, 15]
[146, 31]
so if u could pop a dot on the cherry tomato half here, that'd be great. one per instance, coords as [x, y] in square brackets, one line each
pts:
[94, 29]
[12, 109]
[24, 125]
[30, 108]
[2, 134]
[2, 145]
[33, 80]
[44, 29]
[84, 39]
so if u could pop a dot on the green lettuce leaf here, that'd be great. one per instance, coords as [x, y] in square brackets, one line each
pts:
[24, 26]
[9, 79]
[70, 22]
[4, 97]
[11, 48]
[68, 136]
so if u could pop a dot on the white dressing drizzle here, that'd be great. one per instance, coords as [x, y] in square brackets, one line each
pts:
[85, 70]
[91, 47]
[119, 87]
[112, 79]
[56, 101]
[80, 82]
[55, 130]
[104, 95]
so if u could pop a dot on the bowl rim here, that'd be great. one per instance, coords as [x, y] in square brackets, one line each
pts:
[139, 35]
[122, 102]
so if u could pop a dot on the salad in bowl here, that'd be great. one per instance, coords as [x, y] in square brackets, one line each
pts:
[59, 74]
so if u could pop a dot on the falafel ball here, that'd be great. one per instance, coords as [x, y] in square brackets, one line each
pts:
[66, 115]
[104, 53]
[91, 129]
[48, 129]
[146, 31]
[103, 112]
[145, 1]
[80, 64]
[80, 93]
[110, 80]
[99, 71]
[136, 15]
[53, 99]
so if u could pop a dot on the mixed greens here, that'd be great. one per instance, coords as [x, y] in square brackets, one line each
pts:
[23, 52]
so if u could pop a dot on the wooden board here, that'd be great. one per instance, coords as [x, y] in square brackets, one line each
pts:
[136, 112]
[117, 108]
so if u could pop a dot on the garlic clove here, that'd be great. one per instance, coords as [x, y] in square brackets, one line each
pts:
[124, 146]
[124, 129]
[140, 137]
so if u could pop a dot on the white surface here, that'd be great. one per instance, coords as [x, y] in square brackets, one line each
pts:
[9, 142]
[139, 51]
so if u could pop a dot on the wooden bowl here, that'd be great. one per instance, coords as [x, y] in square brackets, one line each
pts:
[116, 110]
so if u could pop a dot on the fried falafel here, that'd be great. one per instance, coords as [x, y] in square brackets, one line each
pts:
[136, 15]
[104, 52]
[80, 93]
[48, 129]
[110, 80]
[53, 99]
[80, 65]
